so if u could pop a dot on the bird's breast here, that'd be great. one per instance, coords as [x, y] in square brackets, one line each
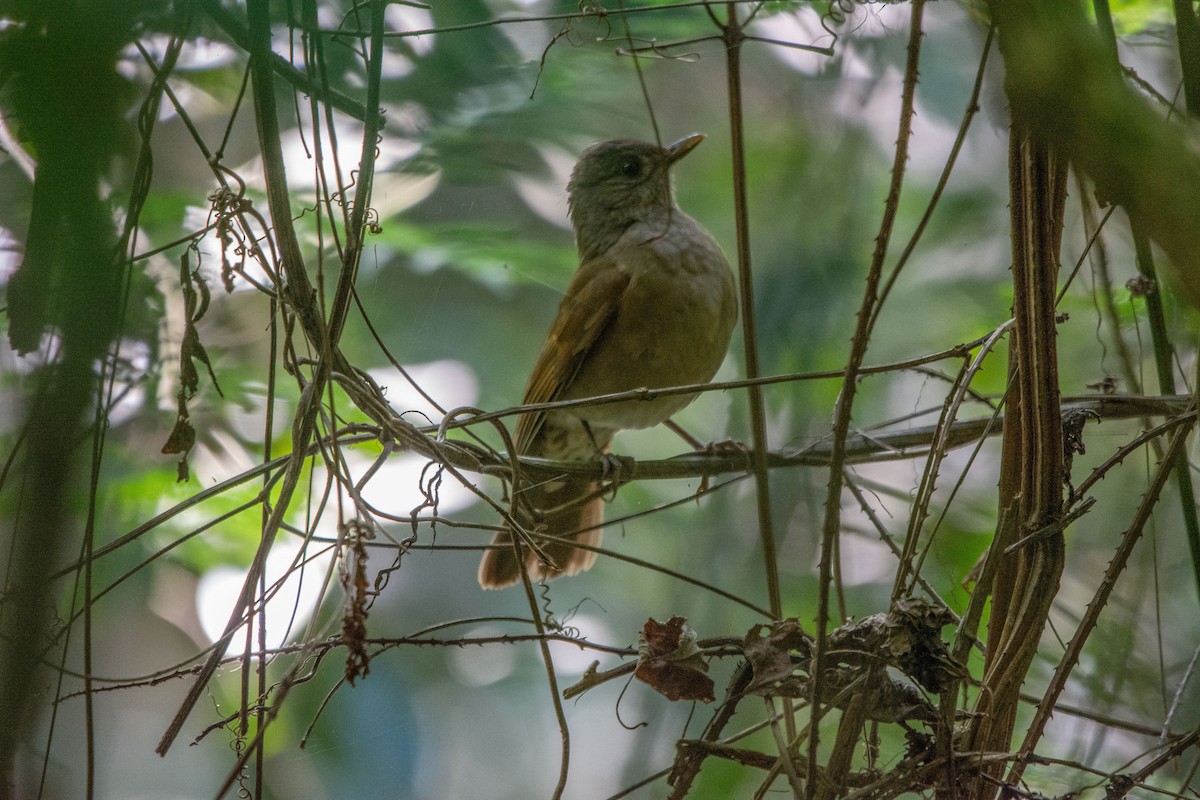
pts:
[672, 326]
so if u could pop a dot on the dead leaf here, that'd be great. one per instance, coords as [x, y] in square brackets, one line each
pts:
[671, 663]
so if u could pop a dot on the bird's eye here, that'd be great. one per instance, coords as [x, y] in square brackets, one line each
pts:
[631, 168]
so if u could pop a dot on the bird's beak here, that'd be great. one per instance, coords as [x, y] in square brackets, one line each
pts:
[684, 146]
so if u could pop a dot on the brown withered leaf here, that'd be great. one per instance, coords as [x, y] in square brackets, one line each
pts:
[771, 658]
[671, 663]
[916, 643]
[181, 438]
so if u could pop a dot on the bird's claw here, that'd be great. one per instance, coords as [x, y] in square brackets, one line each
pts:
[617, 469]
[725, 446]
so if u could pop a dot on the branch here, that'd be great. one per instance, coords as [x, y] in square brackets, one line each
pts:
[240, 35]
[1065, 88]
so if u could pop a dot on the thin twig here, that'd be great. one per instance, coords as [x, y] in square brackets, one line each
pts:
[733, 37]
[844, 409]
[300, 291]
[937, 453]
[944, 178]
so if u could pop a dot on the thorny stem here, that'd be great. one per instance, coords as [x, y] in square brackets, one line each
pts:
[1032, 457]
[903, 583]
[843, 410]
[944, 179]
[1098, 602]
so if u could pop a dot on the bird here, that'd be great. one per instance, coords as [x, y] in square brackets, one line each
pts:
[652, 305]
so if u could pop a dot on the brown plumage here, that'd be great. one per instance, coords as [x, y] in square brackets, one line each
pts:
[652, 305]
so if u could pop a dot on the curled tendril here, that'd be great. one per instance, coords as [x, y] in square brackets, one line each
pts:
[547, 613]
[429, 484]
[372, 222]
[836, 14]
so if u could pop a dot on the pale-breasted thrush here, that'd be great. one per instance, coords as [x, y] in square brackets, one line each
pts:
[652, 305]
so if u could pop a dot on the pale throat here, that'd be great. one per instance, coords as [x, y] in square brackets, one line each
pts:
[598, 225]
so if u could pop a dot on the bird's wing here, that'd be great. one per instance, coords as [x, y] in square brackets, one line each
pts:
[591, 302]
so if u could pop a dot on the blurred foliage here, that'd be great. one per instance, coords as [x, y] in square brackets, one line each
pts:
[1138, 16]
[482, 124]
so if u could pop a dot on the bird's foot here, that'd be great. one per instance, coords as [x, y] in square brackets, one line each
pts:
[729, 446]
[616, 470]
[723, 447]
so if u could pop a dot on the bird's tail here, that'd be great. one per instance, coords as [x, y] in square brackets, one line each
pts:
[570, 510]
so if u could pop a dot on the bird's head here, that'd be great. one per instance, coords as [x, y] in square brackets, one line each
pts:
[620, 182]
